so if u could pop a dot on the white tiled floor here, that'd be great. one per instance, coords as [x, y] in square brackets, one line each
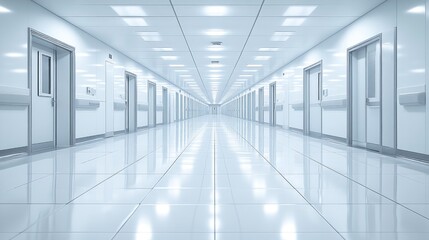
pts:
[213, 178]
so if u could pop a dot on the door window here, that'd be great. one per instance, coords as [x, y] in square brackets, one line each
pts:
[45, 77]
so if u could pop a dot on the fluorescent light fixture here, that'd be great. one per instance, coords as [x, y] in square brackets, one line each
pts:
[262, 58]
[417, 10]
[250, 70]
[293, 21]
[215, 75]
[129, 10]
[135, 21]
[185, 76]
[215, 65]
[19, 70]
[215, 48]
[215, 32]
[254, 65]
[216, 10]
[242, 80]
[215, 70]
[82, 54]
[245, 75]
[150, 36]
[176, 65]
[420, 70]
[268, 49]
[339, 54]
[297, 11]
[215, 57]
[162, 49]
[169, 58]
[89, 75]
[281, 36]
[181, 70]
[14, 55]
[4, 10]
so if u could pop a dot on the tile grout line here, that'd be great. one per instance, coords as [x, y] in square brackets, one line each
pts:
[360, 184]
[214, 181]
[69, 202]
[165, 173]
[354, 181]
[320, 214]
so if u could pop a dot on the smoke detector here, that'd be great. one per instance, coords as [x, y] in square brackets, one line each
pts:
[216, 43]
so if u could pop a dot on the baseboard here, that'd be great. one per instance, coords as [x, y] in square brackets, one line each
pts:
[338, 139]
[315, 135]
[42, 147]
[416, 156]
[296, 130]
[90, 138]
[7, 153]
[120, 132]
[388, 151]
[374, 147]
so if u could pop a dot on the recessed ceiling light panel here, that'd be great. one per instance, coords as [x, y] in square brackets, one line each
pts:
[135, 21]
[4, 10]
[129, 11]
[216, 11]
[293, 21]
[268, 49]
[299, 11]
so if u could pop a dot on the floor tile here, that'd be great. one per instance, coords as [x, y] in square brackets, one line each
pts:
[85, 218]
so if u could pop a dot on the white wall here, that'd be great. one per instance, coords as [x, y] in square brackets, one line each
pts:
[413, 50]
[412, 68]
[91, 55]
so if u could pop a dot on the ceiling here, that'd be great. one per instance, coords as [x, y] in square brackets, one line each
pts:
[174, 37]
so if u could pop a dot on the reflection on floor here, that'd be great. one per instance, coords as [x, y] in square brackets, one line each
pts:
[213, 178]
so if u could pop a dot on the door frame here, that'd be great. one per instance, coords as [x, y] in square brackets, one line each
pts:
[165, 104]
[261, 107]
[249, 106]
[127, 94]
[32, 35]
[154, 103]
[253, 96]
[272, 103]
[377, 38]
[306, 98]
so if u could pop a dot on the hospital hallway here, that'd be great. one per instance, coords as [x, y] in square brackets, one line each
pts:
[213, 177]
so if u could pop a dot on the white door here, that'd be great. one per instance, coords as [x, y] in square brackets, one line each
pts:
[261, 105]
[131, 103]
[43, 98]
[253, 118]
[151, 104]
[164, 105]
[109, 96]
[373, 107]
[315, 97]
[177, 107]
[272, 104]
[366, 111]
